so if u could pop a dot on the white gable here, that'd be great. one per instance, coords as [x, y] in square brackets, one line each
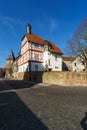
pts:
[24, 40]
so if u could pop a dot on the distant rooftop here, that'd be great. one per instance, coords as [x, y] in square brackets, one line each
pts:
[68, 58]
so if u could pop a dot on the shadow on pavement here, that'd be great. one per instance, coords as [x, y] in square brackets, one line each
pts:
[7, 84]
[84, 122]
[15, 115]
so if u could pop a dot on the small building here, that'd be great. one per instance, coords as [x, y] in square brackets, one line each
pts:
[67, 63]
[78, 64]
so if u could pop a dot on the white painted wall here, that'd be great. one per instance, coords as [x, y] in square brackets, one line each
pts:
[79, 66]
[44, 56]
[23, 68]
[24, 40]
[40, 66]
[55, 63]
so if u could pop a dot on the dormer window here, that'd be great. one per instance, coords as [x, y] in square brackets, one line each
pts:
[45, 48]
[47, 45]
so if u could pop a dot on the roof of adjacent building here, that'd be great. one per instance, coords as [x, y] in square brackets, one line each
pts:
[68, 58]
[38, 40]
[55, 49]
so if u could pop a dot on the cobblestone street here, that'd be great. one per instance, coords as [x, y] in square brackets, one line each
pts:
[31, 106]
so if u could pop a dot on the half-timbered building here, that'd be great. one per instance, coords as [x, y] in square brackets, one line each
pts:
[37, 54]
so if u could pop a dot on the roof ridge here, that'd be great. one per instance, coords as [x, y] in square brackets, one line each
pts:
[38, 40]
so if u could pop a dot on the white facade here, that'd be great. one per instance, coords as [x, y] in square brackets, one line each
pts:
[23, 68]
[36, 54]
[53, 60]
[39, 58]
[31, 55]
[78, 64]
[35, 66]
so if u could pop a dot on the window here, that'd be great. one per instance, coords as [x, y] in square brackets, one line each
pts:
[56, 67]
[74, 64]
[36, 56]
[36, 46]
[36, 67]
[45, 48]
[49, 53]
[49, 62]
[49, 47]
[56, 57]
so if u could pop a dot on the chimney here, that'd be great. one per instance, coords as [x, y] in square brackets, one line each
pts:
[28, 28]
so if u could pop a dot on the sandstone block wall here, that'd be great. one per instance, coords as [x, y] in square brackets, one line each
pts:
[59, 78]
[66, 78]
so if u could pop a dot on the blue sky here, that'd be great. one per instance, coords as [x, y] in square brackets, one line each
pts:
[54, 20]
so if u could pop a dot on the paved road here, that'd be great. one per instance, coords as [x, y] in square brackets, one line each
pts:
[31, 106]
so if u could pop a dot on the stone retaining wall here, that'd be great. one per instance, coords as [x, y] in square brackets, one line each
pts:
[66, 78]
[59, 78]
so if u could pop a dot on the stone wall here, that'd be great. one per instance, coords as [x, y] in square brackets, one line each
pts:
[34, 76]
[66, 78]
[59, 78]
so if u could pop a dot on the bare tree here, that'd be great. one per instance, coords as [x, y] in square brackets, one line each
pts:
[77, 46]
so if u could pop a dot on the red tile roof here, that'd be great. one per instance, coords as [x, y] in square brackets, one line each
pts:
[68, 58]
[38, 40]
[34, 38]
[55, 49]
